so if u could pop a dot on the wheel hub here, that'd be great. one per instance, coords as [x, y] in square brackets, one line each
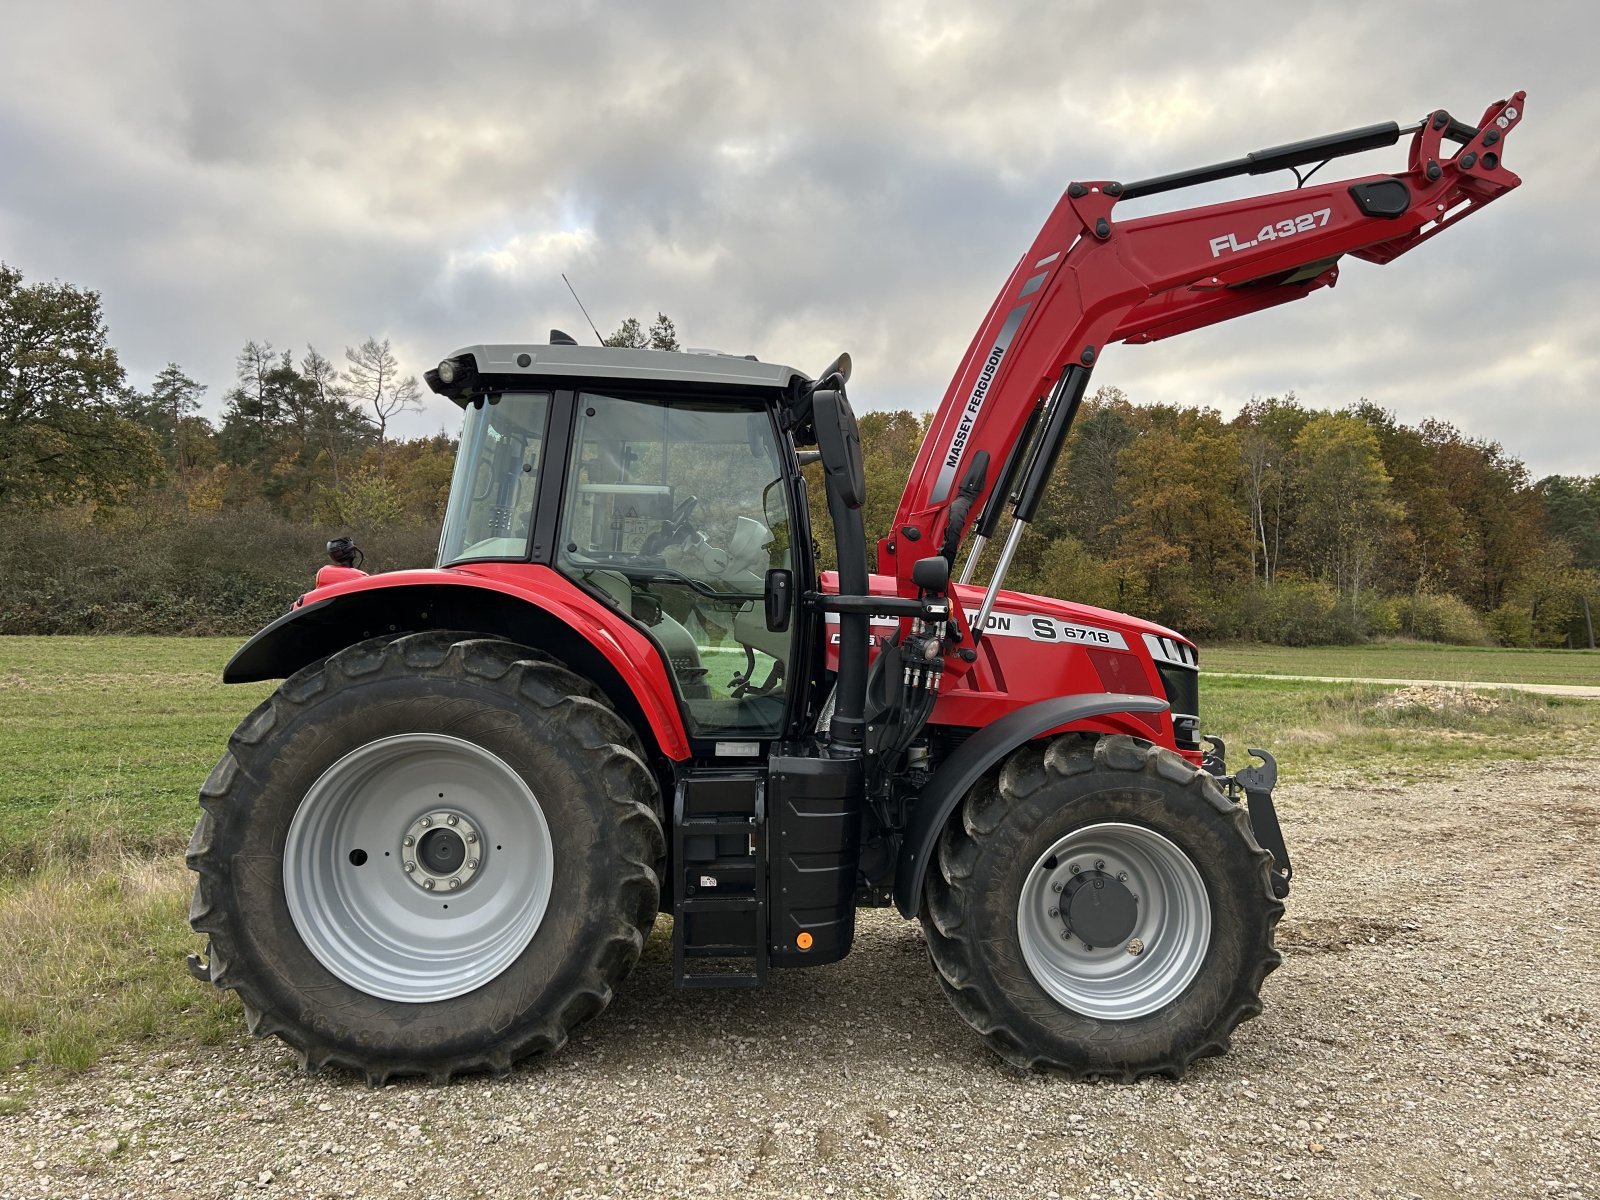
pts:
[441, 851]
[1114, 920]
[1099, 908]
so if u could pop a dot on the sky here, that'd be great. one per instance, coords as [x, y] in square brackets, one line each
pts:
[786, 180]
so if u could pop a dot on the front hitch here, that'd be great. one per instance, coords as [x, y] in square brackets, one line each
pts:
[1256, 784]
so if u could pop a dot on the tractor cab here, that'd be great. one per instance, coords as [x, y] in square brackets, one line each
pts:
[657, 482]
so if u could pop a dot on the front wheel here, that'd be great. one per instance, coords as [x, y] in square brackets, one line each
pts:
[1102, 909]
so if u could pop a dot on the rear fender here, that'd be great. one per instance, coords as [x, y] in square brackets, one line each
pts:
[540, 610]
[979, 754]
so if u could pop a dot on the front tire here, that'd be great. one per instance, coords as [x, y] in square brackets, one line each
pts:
[1102, 910]
[427, 855]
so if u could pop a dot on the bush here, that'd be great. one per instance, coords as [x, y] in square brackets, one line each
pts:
[1511, 625]
[227, 572]
[1434, 618]
[1303, 612]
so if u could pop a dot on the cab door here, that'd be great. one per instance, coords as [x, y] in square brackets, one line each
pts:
[675, 508]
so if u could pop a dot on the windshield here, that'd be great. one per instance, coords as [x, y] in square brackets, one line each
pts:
[496, 478]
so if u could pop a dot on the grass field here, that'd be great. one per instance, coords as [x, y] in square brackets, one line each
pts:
[1410, 660]
[105, 741]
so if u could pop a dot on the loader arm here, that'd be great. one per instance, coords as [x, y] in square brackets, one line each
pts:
[1088, 281]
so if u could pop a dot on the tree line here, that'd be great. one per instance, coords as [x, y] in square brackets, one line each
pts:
[1287, 524]
[1282, 524]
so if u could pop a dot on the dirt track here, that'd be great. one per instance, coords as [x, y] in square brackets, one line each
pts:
[1434, 1031]
[1576, 690]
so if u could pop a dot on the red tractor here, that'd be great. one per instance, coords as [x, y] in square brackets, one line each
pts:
[626, 689]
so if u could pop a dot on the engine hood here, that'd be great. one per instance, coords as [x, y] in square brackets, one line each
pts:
[1070, 622]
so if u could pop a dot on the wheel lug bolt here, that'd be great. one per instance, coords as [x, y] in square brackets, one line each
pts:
[1136, 947]
[1055, 887]
[472, 839]
[452, 819]
[409, 840]
[472, 864]
[454, 884]
[411, 866]
[425, 821]
[1074, 868]
[1055, 912]
[1067, 934]
[1122, 877]
[1099, 864]
[1086, 946]
[428, 883]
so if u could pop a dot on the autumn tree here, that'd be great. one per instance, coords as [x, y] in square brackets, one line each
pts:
[373, 377]
[63, 436]
[1267, 430]
[1346, 511]
[1084, 501]
[264, 410]
[1427, 544]
[1572, 508]
[338, 428]
[1183, 533]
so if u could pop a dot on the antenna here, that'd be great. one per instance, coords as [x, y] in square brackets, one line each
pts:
[581, 308]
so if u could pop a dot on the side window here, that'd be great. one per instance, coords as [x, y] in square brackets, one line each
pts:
[674, 512]
[496, 479]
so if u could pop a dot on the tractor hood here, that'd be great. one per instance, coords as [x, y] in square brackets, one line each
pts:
[1042, 618]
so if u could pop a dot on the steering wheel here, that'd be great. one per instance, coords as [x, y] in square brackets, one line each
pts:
[674, 530]
[681, 513]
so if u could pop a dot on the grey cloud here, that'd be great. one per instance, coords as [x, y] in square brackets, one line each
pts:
[787, 181]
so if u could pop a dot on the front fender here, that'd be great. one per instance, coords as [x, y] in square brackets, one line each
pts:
[975, 757]
[537, 608]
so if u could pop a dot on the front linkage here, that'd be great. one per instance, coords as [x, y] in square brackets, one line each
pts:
[1255, 784]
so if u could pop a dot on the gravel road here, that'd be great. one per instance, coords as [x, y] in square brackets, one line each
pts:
[1434, 1031]
[1581, 691]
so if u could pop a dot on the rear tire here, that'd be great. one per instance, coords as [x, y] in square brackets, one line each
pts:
[316, 905]
[1166, 869]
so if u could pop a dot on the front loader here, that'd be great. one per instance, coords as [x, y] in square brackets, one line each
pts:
[627, 689]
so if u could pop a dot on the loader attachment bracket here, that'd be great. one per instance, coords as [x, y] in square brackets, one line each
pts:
[1257, 783]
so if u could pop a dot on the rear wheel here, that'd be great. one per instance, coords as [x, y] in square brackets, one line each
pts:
[427, 855]
[1102, 909]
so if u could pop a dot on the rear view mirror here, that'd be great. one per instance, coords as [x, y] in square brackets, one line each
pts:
[931, 574]
[779, 596]
[839, 440]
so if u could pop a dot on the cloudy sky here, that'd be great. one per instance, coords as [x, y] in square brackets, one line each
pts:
[785, 180]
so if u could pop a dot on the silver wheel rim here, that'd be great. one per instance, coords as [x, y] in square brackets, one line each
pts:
[1162, 953]
[414, 935]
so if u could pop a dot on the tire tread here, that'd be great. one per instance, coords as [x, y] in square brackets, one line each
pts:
[586, 718]
[949, 895]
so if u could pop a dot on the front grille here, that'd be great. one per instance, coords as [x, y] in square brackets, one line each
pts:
[1183, 696]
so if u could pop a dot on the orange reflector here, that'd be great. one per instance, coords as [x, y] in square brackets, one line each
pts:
[804, 941]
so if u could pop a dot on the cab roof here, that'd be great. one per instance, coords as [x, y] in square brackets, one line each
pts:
[503, 363]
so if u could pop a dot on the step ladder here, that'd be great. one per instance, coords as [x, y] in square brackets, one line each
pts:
[719, 909]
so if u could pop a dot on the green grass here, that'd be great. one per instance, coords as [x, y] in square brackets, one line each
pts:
[1315, 727]
[1410, 660]
[95, 957]
[107, 740]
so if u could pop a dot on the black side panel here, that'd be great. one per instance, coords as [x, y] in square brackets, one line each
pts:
[815, 831]
[1387, 198]
[974, 758]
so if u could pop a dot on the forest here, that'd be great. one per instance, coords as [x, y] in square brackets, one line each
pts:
[130, 511]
